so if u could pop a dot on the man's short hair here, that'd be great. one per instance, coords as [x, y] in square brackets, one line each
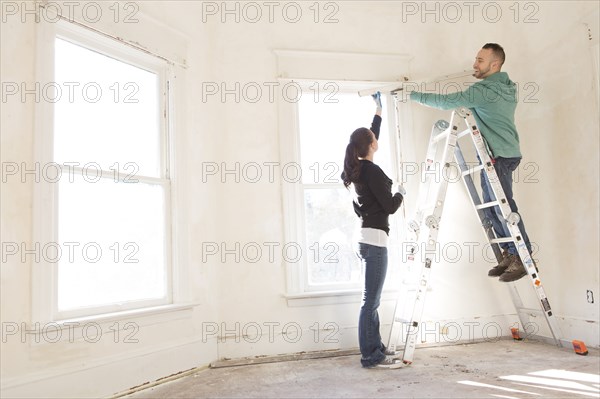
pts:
[497, 50]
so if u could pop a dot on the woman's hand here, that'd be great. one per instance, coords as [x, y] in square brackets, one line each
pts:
[401, 190]
[377, 99]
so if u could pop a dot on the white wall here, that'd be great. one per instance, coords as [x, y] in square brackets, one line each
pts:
[559, 133]
[377, 28]
[165, 343]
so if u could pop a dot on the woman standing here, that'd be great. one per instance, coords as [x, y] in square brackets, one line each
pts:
[373, 204]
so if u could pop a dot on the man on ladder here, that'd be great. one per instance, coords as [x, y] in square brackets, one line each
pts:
[493, 101]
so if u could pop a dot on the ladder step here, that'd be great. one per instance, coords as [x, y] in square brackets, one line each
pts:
[530, 310]
[463, 133]
[472, 170]
[501, 240]
[441, 136]
[410, 287]
[429, 205]
[487, 205]
[445, 133]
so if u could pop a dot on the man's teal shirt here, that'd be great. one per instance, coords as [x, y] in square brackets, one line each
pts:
[493, 101]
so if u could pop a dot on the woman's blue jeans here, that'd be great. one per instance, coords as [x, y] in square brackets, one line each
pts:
[375, 260]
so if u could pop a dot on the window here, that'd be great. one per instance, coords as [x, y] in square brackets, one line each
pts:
[110, 215]
[319, 206]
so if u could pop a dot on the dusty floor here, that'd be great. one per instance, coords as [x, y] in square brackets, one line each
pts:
[501, 369]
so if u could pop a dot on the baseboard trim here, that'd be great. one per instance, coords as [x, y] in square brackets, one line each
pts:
[160, 381]
[246, 361]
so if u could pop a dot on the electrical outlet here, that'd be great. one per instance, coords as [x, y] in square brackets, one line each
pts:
[590, 296]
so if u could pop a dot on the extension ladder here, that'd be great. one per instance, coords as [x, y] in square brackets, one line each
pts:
[430, 204]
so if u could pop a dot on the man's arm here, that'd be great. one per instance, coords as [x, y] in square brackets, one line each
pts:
[470, 98]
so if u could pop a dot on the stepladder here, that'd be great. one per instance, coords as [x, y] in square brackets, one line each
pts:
[448, 149]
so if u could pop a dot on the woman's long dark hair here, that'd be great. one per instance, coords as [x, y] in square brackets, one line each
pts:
[360, 140]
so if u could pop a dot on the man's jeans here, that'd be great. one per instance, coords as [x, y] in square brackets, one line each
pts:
[375, 261]
[504, 168]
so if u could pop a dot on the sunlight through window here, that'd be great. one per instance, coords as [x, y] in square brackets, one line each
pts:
[112, 208]
[330, 222]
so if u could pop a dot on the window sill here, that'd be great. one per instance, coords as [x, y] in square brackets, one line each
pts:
[128, 314]
[128, 321]
[319, 298]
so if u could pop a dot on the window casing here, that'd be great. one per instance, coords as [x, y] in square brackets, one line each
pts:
[103, 123]
[318, 209]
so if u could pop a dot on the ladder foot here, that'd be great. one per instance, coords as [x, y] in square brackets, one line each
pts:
[579, 348]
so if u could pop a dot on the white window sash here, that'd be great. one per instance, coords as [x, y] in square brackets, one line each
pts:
[45, 204]
[293, 193]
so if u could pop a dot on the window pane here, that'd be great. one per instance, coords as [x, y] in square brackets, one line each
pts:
[325, 130]
[113, 243]
[106, 111]
[330, 225]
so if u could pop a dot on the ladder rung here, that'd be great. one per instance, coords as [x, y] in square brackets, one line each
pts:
[441, 136]
[487, 205]
[400, 320]
[530, 310]
[501, 240]
[410, 287]
[463, 133]
[445, 133]
[472, 170]
[428, 205]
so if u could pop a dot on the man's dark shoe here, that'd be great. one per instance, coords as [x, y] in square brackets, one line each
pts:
[502, 266]
[515, 271]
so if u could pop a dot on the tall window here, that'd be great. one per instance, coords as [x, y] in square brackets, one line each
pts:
[327, 224]
[112, 202]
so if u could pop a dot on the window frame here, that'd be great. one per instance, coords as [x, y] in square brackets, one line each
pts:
[298, 284]
[45, 209]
